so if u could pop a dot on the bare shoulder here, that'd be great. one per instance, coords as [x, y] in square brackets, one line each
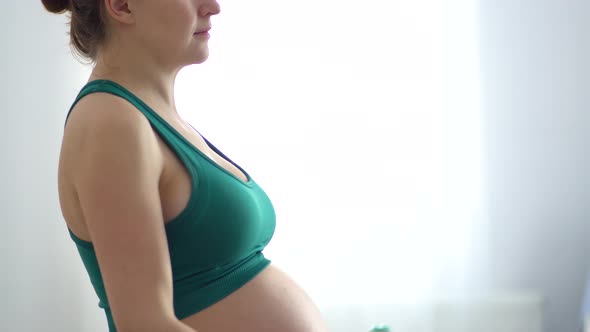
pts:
[102, 120]
[105, 114]
[96, 120]
[110, 128]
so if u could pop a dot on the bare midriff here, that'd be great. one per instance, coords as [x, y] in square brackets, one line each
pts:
[270, 302]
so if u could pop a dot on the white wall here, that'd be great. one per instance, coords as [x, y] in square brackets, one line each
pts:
[536, 81]
[42, 280]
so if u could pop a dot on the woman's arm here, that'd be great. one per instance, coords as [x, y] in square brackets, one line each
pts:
[116, 178]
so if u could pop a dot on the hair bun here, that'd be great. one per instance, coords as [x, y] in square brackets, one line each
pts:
[56, 6]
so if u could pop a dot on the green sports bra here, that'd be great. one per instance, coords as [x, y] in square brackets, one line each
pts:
[216, 242]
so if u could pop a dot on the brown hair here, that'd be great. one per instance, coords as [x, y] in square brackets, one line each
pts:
[87, 25]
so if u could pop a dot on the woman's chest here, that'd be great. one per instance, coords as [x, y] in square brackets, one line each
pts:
[176, 183]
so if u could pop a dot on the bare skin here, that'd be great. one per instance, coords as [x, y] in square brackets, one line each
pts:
[114, 169]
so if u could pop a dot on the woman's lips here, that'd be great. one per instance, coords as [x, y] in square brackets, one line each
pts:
[203, 31]
[202, 34]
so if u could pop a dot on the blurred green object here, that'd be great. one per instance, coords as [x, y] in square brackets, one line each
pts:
[380, 328]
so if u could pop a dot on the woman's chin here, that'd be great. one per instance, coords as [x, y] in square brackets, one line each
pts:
[200, 58]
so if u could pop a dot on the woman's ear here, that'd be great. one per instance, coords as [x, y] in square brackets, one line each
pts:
[120, 10]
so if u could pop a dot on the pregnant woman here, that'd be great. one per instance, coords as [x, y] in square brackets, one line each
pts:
[170, 230]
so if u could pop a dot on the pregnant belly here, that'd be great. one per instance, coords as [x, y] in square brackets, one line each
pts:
[270, 302]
